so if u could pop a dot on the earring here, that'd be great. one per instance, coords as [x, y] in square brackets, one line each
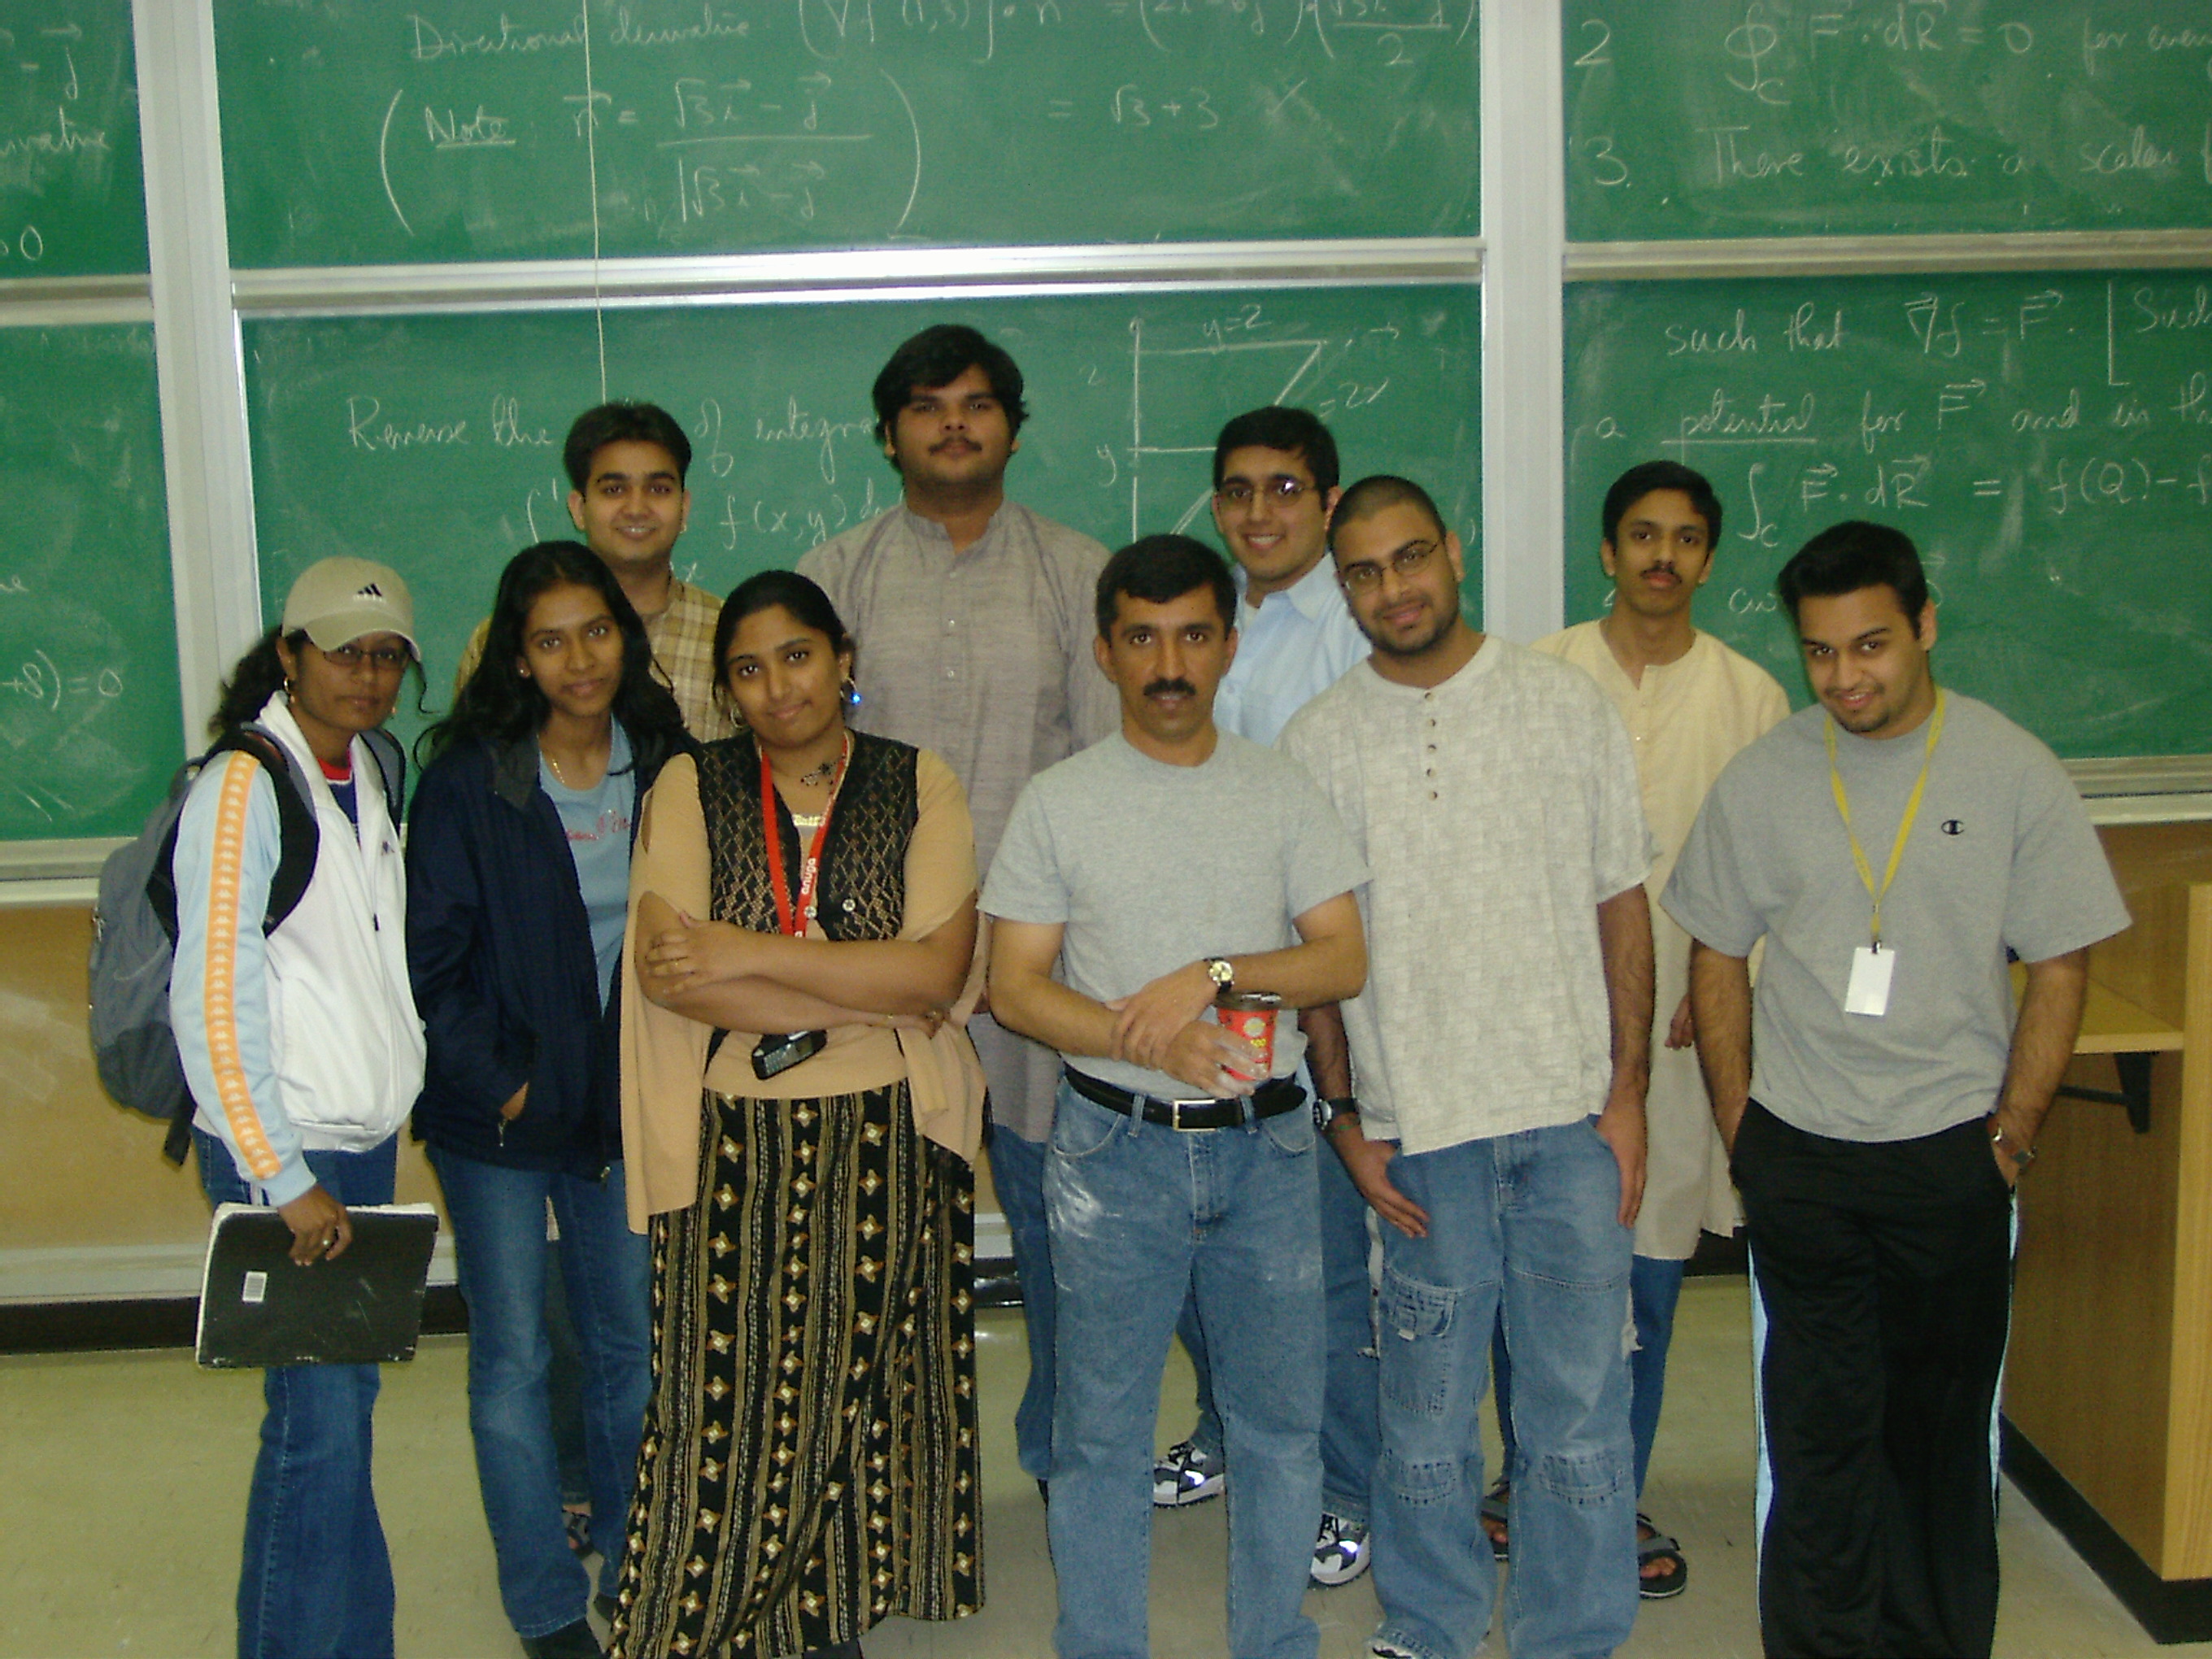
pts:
[850, 691]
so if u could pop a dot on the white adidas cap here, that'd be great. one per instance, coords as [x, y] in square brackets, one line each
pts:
[336, 601]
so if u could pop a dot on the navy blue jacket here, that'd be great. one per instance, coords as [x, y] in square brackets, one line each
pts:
[499, 947]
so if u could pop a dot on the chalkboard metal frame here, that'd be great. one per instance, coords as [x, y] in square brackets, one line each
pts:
[1874, 256]
[60, 301]
[739, 278]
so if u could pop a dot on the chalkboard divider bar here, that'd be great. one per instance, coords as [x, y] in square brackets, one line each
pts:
[62, 301]
[1870, 256]
[2143, 775]
[215, 579]
[57, 861]
[1523, 350]
[851, 273]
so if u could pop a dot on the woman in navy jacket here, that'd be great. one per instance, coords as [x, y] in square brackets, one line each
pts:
[518, 864]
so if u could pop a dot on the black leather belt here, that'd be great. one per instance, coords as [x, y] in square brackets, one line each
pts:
[1271, 1099]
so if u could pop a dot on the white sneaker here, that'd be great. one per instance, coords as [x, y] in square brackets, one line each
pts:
[1341, 1553]
[1187, 1476]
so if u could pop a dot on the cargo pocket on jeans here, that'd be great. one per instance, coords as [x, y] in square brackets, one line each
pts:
[1414, 1326]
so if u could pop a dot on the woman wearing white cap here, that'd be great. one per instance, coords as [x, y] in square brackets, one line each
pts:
[304, 1053]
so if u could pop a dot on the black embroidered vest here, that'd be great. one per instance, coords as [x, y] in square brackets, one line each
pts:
[861, 892]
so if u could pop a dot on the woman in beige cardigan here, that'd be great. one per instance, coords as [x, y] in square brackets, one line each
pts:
[801, 1108]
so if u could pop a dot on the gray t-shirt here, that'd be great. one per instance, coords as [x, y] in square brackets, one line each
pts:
[2001, 855]
[1149, 866]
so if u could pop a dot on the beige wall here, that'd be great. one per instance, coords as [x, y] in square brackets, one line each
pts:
[87, 1204]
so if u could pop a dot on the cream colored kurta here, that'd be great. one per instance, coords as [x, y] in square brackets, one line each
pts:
[664, 1054]
[1687, 720]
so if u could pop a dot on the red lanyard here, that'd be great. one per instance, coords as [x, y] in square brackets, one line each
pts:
[794, 919]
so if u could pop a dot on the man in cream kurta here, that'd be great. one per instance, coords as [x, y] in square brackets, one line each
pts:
[1690, 703]
[973, 619]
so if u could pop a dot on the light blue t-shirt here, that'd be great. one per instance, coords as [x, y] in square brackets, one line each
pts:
[597, 821]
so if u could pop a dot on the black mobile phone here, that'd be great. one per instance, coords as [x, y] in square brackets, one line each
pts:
[772, 1055]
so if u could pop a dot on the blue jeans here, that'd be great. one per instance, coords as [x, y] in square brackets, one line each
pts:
[1141, 1214]
[314, 1577]
[1350, 1434]
[1527, 1219]
[1655, 1285]
[1017, 1178]
[499, 1238]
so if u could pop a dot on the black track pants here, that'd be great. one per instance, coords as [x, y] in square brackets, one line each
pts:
[1882, 1274]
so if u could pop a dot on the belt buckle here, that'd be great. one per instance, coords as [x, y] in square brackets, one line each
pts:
[1175, 1116]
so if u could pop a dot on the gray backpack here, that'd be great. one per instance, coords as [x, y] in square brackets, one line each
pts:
[134, 926]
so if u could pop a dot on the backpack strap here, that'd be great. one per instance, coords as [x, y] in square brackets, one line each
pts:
[298, 839]
[391, 764]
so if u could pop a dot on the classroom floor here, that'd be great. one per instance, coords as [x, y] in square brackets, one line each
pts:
[123, 1484]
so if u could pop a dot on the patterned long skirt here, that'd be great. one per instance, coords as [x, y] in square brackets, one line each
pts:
[809, 1464]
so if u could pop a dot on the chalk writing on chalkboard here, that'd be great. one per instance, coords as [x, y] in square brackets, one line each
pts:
[459, 130]
[88, 707]
[69, 193]
[2047, 441]
[1733, 118]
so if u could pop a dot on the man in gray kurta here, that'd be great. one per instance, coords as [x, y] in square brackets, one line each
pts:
[973, 617]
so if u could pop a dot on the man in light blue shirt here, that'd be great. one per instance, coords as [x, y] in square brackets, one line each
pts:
[1274, 486]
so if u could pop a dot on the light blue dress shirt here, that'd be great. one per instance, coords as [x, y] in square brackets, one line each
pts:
[1296, 645]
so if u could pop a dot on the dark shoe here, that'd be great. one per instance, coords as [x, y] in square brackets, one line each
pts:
[577, 1523]
[1494, 1515]
[1673, 1577]
[569, 1642]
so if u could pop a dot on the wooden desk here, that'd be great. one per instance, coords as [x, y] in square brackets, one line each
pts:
[2109, 1379]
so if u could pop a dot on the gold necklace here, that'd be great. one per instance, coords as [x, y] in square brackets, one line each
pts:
[556, 764]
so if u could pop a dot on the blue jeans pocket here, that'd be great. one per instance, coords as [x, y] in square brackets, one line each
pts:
[1082, 1128]
[1414, 1326]
[1291, 1132]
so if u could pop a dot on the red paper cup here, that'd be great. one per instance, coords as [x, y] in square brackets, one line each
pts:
[1251, 1015]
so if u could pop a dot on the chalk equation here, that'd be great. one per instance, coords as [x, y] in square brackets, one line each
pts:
[468, 129]
[1811, 115]
[2082, 401]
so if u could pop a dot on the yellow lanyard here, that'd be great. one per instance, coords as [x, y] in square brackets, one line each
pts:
[1905, 826]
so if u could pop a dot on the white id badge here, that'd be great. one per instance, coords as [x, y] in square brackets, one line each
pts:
[1868, 991]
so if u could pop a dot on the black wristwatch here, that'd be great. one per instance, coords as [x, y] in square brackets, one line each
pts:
[1328, 1110]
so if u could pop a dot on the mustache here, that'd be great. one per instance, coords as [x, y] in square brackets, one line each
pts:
[1170, 688]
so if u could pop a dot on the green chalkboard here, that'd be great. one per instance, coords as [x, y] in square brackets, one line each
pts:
[90, 718]
[72, 202]
[359, 133]
[2045, 440]
[435, 442]
[1805, 118]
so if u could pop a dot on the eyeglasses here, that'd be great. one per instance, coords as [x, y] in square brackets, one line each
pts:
[385, 659]
[1367, 575]
[1237, 496]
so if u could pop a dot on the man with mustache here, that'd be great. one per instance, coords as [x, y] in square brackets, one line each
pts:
[1501, 1049]
[1689, 704]
[1891, 846]
[1275, 482]
[972, 618]
[1137, 882]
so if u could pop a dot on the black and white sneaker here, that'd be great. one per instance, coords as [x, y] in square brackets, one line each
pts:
[1341, 1553]
[1187, 1476]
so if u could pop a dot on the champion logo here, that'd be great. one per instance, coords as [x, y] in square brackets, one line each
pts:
[1954, 827]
